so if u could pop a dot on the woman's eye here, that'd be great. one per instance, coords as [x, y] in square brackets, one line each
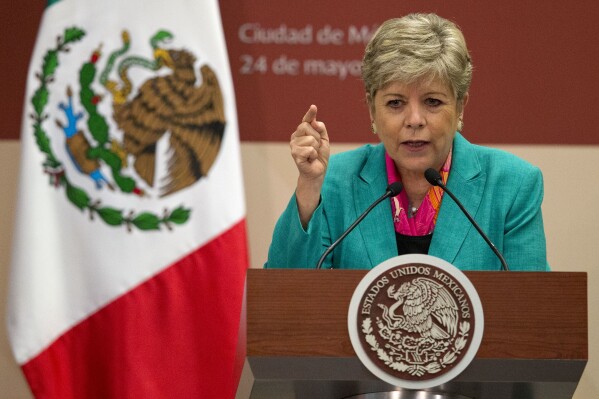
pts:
[432, 102]
[395, 103]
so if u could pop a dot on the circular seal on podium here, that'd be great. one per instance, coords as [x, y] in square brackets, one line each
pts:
[415, 321]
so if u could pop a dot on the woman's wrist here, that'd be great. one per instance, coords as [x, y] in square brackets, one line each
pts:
[307, 194]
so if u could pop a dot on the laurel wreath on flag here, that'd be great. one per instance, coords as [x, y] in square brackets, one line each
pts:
[54, 168]
[417, 370]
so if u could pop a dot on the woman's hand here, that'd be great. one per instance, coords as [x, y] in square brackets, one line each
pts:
[310, 151]
[310, 147]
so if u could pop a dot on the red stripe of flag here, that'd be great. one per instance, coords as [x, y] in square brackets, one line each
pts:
[174, 336]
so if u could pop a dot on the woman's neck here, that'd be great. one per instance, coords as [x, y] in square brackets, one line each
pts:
[416, 188]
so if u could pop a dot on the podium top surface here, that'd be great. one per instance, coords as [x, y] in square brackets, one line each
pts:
[528, 315]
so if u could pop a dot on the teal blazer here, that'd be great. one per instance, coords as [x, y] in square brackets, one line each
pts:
[501, 191]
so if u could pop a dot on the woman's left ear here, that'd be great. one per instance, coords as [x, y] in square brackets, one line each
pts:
[464, 102]
[461, 106]
[370, 103]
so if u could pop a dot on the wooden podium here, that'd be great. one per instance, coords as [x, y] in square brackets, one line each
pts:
[534, 344]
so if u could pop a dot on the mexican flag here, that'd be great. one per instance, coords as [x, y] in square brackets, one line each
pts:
[130, 250]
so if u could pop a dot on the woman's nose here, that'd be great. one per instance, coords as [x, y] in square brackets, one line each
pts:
[415, 117]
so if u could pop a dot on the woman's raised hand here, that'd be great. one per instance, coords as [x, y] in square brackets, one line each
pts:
[310, 151]
[310, 146]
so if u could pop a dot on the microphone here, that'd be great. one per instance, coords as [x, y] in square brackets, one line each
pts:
[434, 178]
[392, 190]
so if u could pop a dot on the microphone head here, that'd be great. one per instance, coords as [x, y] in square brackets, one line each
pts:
[394, 188]
[433, 176]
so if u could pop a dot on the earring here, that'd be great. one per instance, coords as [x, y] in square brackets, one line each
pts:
[372, 127]
[460, 124]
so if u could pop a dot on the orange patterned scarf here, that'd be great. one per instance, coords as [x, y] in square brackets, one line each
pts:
[422, 221]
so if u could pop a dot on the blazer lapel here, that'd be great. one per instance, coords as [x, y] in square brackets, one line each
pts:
[376, 229]
[466, 182]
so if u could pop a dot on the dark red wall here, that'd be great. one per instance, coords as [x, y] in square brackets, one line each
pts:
[536, 76]
[19, 21]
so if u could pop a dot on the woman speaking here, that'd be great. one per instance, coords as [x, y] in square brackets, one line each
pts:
[416, 72]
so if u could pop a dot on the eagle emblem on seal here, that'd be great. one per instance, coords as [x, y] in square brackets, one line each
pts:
[427, 309]
[417, 329]
[415, 321]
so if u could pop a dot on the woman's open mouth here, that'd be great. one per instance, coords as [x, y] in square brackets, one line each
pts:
[415, 144]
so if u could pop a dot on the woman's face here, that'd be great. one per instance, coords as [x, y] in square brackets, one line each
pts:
[416, 123]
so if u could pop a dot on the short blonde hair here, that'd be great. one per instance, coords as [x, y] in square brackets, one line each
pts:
[417, 46]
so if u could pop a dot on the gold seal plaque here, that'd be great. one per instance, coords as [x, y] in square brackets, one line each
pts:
[415, 321]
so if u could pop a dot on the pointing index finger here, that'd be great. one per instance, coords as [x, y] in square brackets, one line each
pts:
[311, 114]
